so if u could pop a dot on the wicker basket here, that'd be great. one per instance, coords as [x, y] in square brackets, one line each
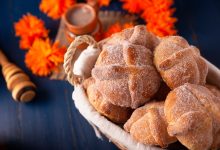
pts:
[100, 124]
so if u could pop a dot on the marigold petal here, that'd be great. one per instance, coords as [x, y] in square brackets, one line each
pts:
[55, 8]
[103, 2]
[117, 27]
[158, 14]
[44, 57]
[29, 28]
[133, 6]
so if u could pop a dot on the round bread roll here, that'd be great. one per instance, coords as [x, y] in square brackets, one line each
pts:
[124, 72]
[148, 125]
[193, 116]
[216, 92]
[114, 113]
[216, 141]
[179, 63]
[213, 89]
[137, 35]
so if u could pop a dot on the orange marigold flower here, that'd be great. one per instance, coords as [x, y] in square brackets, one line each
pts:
[103, 2]
[158, 15]
[55, 8]
[99, 2]
[44, 57]
[133, 6]
[29, 28]
[128, 25]
[117, 27]
[26, 42]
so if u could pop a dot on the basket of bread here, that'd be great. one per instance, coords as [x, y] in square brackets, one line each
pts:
[146, 92]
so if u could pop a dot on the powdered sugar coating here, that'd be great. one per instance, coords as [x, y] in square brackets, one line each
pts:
[137, 35]
[214, 90]
[148, 125]
[114, 113]
[140, 112]
[179, 63]
[124, 72]
[193, 115]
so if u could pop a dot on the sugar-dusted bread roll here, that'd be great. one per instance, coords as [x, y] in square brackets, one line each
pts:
[137, 35]
[193, 116]
[216, 141]
[213, 89]
[114, 113]
[216, 92]
[124, 72]
[179, 63]
[148, 125]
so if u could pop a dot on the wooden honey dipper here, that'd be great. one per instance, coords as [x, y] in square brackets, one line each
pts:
[23, 90]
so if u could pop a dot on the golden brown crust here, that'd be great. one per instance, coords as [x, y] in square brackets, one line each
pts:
[216, 92]
[213, 89]
[179, 63]
[139, 112]
[137, 35]
[124, 72]
[193, 116]
[216, 142]
[114, 113]
[148, 125]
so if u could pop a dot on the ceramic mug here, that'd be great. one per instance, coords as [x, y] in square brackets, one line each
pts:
[81, 19]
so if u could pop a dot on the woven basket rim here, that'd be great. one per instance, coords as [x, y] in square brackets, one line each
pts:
[122, 139]
[213, 78]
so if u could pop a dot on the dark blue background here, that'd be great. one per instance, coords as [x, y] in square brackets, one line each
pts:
[52, 121]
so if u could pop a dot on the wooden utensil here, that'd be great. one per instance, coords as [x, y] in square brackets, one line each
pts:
[23, 90]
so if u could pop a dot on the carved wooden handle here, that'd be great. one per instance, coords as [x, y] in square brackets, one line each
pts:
[3, 59]
[23, 90]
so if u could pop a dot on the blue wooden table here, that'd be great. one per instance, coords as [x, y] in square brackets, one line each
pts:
[52, 121]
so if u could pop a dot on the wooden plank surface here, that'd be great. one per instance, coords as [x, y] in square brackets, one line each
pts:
[52, 121]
